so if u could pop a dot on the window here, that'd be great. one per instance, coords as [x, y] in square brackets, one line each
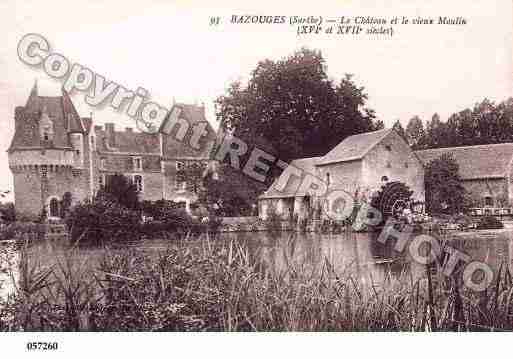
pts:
[389, 165]
[406, 164]
[137, 162]
[488, 201]
[92, 143]
[180, 185]
[388, 147]
[101, 180]
[138, 181]
[328, 178]
[46, 133]
[180, 165]
[384, 179]
[103, 163]
[54, 207]
[78, 153]
[44, 171]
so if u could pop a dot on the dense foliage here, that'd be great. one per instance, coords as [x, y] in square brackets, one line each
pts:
[121, 190]
[7, 212]
[293, 106]
[231, 193]
[102, 221]
[485, 123]
[444, 191]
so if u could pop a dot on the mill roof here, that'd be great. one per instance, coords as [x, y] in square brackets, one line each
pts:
[354, 147]
[475, 162]
[291, 188]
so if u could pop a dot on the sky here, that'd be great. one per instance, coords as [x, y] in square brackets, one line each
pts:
[168, 48]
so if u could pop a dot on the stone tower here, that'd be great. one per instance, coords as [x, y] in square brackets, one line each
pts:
[49, 155]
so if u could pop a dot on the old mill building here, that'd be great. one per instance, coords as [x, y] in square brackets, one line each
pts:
[363, 164]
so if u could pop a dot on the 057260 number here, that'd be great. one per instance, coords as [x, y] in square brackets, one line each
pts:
[42, 346]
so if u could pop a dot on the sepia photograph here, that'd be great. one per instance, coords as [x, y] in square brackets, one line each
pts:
[288, 168]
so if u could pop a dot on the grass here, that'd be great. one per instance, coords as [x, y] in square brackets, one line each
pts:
[214, 285]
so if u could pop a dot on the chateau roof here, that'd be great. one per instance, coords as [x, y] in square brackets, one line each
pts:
[128, 142]
[61, 112]
[173, 148]
[354, 147]
[475, 162]
[291, 189]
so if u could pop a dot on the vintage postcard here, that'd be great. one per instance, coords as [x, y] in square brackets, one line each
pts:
[191, 166]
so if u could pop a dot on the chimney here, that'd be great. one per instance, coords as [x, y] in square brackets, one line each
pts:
[129, 129]
[111, 135]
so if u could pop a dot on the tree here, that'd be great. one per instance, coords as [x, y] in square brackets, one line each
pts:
[415, 133]
[293, 105]
[230, 192]
[7, 212]
[122, 190]
[485, 123]
[436, 133]
[400, 130]
[444, 191]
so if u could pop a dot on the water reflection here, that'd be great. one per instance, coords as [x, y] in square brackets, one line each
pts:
[361, 255]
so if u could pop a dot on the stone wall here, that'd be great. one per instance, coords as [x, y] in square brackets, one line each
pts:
[394, 159]
[346, 176]
[27, 191]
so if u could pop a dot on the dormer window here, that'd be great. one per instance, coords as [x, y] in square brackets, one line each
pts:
[388, 148]
[46, 133]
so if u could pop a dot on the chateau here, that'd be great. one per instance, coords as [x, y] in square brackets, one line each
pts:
[56, 153]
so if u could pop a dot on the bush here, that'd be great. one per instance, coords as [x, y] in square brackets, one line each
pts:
[166, 216]
[7, 212]
[101, 221]
[22, 231]
[26, 217]
[489, 222]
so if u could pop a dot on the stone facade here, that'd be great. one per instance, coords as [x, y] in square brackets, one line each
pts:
[55, 151]
[359, 166]
[485, 171]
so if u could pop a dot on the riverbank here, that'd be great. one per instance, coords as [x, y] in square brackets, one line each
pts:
[227, 285]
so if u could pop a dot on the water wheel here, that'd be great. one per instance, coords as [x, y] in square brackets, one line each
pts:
[392, 199]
